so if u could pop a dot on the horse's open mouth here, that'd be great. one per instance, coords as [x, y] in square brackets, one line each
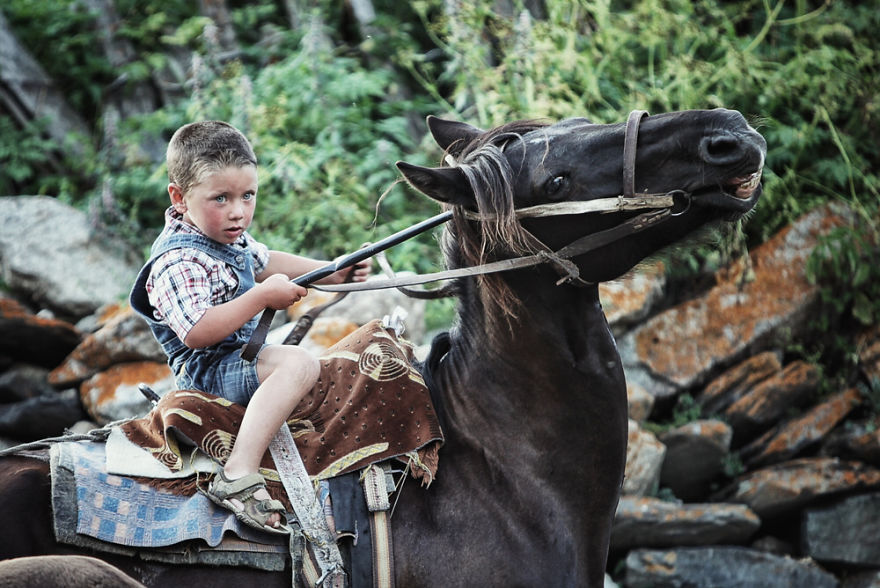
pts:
[738, 194]
[743, 187]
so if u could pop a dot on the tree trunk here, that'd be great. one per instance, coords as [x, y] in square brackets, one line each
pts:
[28, 93]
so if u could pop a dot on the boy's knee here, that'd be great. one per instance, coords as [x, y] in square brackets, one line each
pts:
[294, 361]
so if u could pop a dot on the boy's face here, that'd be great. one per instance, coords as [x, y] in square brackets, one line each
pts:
[222, 205]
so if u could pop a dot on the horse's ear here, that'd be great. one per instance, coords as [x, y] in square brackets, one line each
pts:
[451, 135]
[445, 184]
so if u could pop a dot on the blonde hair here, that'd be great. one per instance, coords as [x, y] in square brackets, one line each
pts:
[199, 149]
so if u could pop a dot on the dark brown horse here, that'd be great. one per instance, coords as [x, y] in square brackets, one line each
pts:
[529, 382]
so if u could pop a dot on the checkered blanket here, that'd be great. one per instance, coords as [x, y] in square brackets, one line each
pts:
[90, 503]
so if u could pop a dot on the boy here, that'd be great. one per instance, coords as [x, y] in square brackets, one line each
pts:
[205, 281]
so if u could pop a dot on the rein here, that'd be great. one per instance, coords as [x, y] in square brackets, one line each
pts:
[661, 205]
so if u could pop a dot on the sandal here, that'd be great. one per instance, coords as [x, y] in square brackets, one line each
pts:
[252, 512]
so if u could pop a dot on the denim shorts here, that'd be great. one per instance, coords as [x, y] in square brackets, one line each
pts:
[222, 374]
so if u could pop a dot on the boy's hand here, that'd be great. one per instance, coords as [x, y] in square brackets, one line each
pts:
[278, 292]
[359, 272]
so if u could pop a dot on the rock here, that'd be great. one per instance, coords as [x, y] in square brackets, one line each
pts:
[769, 401]
[113, 395]
[24, 381]
[686, 345]
[50, 254]
[695, 455]
[41, 417]
[644, 458]
[362, 307]
[125, 337]
[630, 299]
[869, 356]
[733, 384]
[325, 332]
[721, 567]
[858, 440]
[33, 339]
[795, 435]
[845, 532]
[649, 522]
[782, 488]
[869, 579]
[639, 402]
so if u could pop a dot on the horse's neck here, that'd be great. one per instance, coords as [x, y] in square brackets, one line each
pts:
[557, 369]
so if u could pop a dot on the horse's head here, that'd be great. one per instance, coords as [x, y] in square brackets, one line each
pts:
[707, 163]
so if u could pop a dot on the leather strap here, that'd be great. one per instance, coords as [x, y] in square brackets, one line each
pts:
[630, 141]
[583, 245]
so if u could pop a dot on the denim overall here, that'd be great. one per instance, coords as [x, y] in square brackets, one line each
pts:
[217, 369]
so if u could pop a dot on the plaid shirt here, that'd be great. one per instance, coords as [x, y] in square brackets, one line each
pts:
[185, 282]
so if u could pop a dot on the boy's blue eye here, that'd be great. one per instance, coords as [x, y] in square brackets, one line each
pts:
[220, 198]
[249, 195]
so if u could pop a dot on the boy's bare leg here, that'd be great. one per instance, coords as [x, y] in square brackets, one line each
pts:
[286, 375]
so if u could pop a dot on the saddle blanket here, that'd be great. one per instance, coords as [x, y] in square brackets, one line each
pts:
[88, 502]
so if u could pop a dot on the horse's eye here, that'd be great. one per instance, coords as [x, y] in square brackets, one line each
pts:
[554, 188]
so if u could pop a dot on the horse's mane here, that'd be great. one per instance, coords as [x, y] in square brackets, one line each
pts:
[499, 235]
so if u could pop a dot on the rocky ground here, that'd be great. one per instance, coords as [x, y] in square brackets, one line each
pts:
[745, 467]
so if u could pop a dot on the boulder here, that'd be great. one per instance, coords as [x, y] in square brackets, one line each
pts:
[685, 346]
[695, 455]
[325, 331]
[721, 567]
[769, 401]
[41, 417]
[734, 383]
[631, 298]
[845, 532]
[125, 337]
[795, 435]
[644, 458]
[649, 522]
[639, 402]
[23, 381]
[51, 255]
[783, 488]
[113, 394]
[33, 339]
[859, 440]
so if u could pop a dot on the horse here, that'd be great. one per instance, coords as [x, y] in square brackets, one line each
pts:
[528, 382]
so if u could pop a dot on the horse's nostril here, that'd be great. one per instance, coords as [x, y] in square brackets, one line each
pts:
[720, 149]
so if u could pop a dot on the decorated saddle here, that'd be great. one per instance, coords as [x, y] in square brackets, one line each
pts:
[369, 405]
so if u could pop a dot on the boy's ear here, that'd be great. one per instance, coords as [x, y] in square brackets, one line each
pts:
[177, 200]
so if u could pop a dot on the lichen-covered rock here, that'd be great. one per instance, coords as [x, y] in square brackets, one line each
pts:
[688, 344]
[721, 567]
[649, 522]
[644, 459]
[782, 488]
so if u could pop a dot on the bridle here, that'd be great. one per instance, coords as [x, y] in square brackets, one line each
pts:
[659, 205]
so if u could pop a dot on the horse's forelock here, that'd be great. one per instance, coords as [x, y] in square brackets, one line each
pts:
[491, 178]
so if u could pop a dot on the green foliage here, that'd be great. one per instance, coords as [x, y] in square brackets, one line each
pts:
[330, 108]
